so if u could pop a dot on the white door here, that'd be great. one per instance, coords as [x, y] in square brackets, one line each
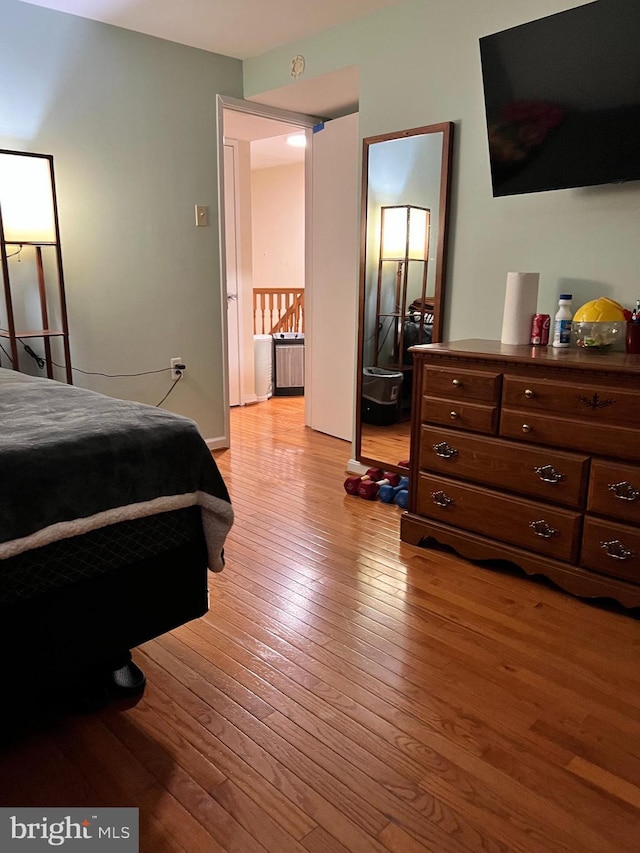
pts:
[332, 317]
[233, 318]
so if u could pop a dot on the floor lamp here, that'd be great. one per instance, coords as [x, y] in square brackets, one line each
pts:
[29, 220]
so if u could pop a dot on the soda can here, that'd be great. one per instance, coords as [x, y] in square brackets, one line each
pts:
[540, 330]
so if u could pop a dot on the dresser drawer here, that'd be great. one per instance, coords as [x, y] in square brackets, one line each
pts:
[537, 471]
[614, 490]
[578, 435]
[459, 415]
[460, 384]
[594, 404]
[535, 526]
[613, 549]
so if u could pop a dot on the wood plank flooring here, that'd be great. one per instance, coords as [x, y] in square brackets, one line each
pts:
[347, 692]
[390, 444]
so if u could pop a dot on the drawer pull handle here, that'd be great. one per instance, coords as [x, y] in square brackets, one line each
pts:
[624, 491]
[454, 416]
[548, 474]
[529, 394]
[541, 528]
[457, 383]
[526, 428]
[441, 499]
[616, 550]
[444, 450]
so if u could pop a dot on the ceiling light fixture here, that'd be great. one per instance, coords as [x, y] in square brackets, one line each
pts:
[298, 140]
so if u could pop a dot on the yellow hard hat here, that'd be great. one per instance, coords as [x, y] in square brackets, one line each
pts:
[602, 310]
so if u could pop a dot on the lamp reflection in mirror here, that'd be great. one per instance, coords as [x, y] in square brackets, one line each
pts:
[404, 233]
[404, 237]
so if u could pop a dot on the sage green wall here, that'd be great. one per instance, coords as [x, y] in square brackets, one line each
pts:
[419, 63]
[131, 122]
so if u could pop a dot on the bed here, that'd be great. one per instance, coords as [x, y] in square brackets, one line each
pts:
[112, 515]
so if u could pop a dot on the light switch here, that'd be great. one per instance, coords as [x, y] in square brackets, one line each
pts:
[202, 215]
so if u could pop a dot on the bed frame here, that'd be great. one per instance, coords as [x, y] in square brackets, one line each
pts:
[112, 513]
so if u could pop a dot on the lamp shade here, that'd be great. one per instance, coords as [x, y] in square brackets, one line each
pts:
[404, 233]
[26, 197]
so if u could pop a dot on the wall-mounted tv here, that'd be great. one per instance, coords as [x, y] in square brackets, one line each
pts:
[562, 99]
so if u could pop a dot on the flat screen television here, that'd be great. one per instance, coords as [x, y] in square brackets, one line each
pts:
[562, 99]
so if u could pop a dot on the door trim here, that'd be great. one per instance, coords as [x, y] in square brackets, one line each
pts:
[232, 224]
[225, 102]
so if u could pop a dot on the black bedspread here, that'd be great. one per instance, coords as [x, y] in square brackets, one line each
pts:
[73, 460]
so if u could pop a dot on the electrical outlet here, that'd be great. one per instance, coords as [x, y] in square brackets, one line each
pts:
[175, 373]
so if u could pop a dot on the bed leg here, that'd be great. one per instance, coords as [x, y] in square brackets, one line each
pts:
[125, 678]
[118, 678]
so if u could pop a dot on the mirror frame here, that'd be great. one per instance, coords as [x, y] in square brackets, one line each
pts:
[446, 129]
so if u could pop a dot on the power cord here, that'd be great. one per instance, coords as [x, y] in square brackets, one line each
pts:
[34, 355]
[7, 355]
[175, 382]
[110, 375]
[41, 364]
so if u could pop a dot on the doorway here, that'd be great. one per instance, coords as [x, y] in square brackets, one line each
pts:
[331, 175]
[241, 123]
[265, 240]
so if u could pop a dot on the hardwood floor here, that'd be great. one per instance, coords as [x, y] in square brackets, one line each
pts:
[388, 444]
[347, 692]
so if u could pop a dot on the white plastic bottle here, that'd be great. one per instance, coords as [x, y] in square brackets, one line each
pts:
[562, 325]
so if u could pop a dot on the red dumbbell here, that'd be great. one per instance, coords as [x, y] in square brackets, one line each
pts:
[352, 484]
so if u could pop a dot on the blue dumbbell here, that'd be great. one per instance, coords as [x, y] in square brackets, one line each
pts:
[402, 498]
[387, 493]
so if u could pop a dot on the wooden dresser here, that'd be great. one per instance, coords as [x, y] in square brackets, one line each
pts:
[531, 455]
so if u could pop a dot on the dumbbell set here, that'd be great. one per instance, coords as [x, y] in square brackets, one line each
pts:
[398, 494]
[388, 486]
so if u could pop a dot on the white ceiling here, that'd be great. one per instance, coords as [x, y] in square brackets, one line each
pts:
[275, 151]
[238, 28]
[268, 139]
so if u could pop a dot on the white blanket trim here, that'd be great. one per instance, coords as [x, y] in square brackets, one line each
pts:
[217, 518]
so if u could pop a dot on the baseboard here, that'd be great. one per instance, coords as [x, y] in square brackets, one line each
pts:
[355, 467]
[219, 443]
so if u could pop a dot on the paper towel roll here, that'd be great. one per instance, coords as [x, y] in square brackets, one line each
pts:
[520, 304]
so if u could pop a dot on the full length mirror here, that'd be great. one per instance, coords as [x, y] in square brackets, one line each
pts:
[405, 190]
